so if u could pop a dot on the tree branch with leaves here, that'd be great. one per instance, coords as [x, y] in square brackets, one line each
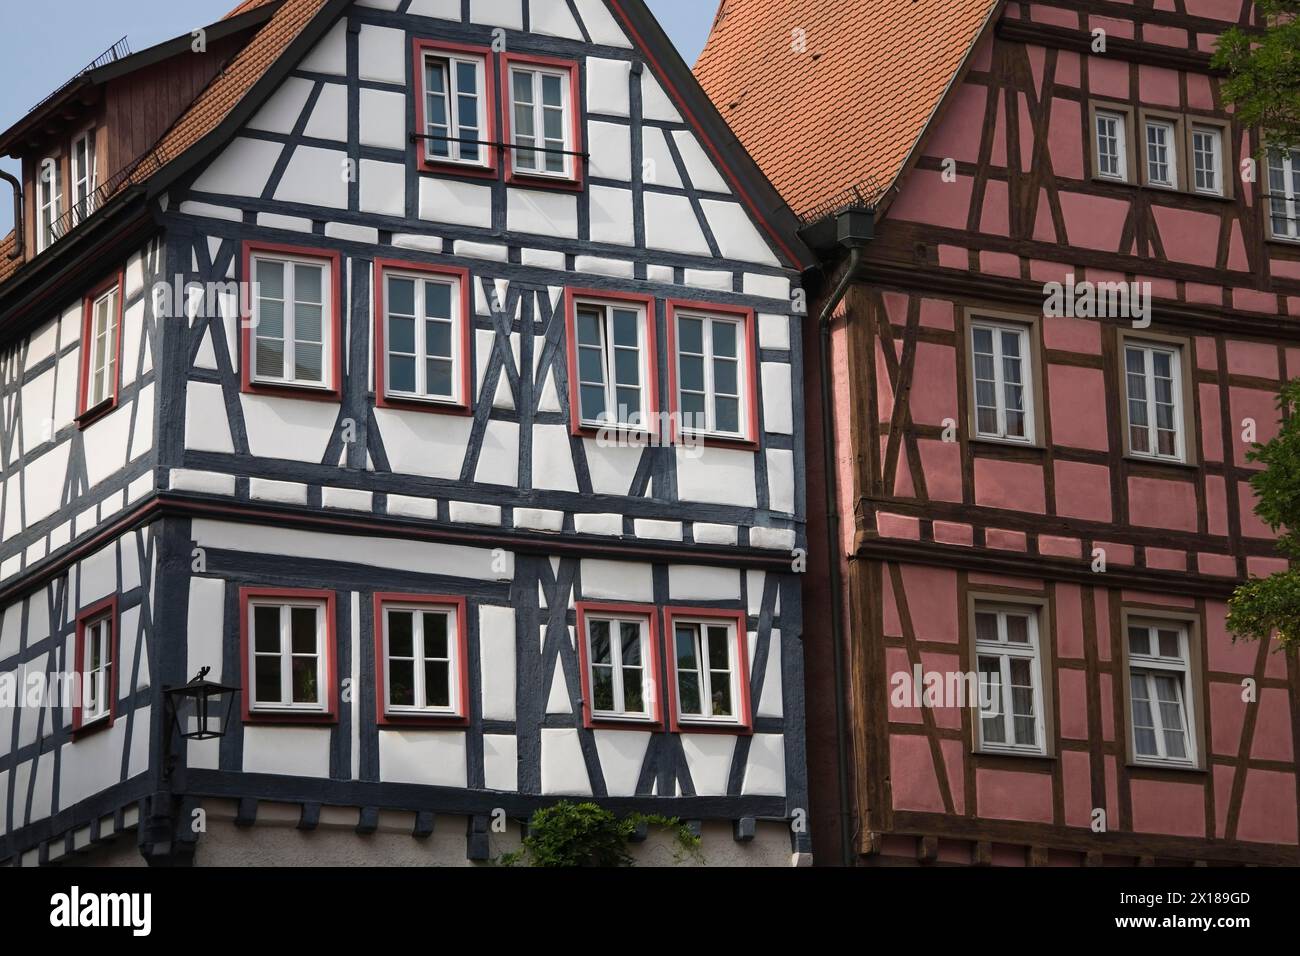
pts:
[1263, 82]
[1263, 606]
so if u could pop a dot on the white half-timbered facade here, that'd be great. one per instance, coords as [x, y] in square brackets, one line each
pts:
[456, 417]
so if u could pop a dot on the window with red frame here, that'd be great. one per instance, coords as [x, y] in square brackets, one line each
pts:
[289, 653]
[620, 672]
[422, 335]
[291, 333]
[423, 666]
[96, 663]
[101, 347]
[713, 371]
[709, 668]
[541, 114]
[455, 105]
[613, 373]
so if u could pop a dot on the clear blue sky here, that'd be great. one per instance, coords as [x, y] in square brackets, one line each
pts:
[35, 60]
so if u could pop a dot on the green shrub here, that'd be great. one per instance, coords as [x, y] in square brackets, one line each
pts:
[584, 834]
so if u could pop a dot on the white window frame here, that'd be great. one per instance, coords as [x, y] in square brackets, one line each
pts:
[103, 362]
[98, 631]
[1287, 163]
[999, 381]
[1005, 650]
[286, 704]
[649, 694]
[458, 358]
[537, 71]
[1121, 144]
[1149, 666]
[84, 176]
[289, 338]
[1215, 168]
[422, 708]
[710, 391]
[1170, 147]
[705, 671]
[447, 62]
[609, 353]
[1148, 349]
[49, 201]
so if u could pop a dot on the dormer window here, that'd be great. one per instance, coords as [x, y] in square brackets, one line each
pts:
[49, 202]
[83, 176]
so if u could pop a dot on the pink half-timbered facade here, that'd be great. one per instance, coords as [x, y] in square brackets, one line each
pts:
[1080, 299]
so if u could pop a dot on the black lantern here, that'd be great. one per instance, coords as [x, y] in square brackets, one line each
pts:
[200, 709]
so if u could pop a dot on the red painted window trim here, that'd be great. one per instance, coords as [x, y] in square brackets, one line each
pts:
[334, 260]
[744, 726]
[573, 183]
[420, 48]
[87, 415]
[751, 441]
[650, 613]
[87, 616]
[382, 400]
[385, 719]
[330, 683]
[646, 302]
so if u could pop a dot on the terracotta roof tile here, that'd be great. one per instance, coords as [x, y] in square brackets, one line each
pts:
[8, 266]
[848, 106]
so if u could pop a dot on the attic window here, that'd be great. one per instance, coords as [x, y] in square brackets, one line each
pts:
[454, 108]
[83, 176]
[49, 202]
[542, 130]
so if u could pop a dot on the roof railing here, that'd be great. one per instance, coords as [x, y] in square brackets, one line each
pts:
[862, 196]
[119, 50]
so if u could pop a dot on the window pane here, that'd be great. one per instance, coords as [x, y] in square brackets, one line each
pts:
[437, 300]
[686, 659]
[593, 403]
[692, 372]
[600, 642]
[691, 335]
[724, 339]
[1144, 737]
[1139, 641]
[401, 641]
[401, 683]
[302, 625]
[270, 279]
[1017, 629]
[401, 296]
[401, 335]
[436, 636]
[267, 679]
[401, 374]
[689, 684]
[726, 377]
[308, 363]
[437, 683]
[986, 626]
[270, 318]
[438, 372]
[728, 415]
[627, 367]
[266, 629]
[307, 322]
[602, 687]
[719, 649]
[1169, 643]
[721, 686]
[307, 283]
[437, 338]
[305, 689]
[633, 696]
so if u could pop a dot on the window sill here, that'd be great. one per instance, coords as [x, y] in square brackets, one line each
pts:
[1007, 443]
[1285, 241]
[1162, 462]
[984, 754]
[312, 393]
[710, 440]
[92, 415]
[1146, 766]
[430, 405]
[542, 181]
[614, 722]
[707, 727]
[92, 727]
[451, 167]
[288, 717]
[428, 721]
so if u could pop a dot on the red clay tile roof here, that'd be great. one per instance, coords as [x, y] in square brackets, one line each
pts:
[7, 266]
[851, 106]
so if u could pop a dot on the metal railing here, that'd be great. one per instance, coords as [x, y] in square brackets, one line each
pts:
[117, 51]
[80, 211]
[863, 195]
